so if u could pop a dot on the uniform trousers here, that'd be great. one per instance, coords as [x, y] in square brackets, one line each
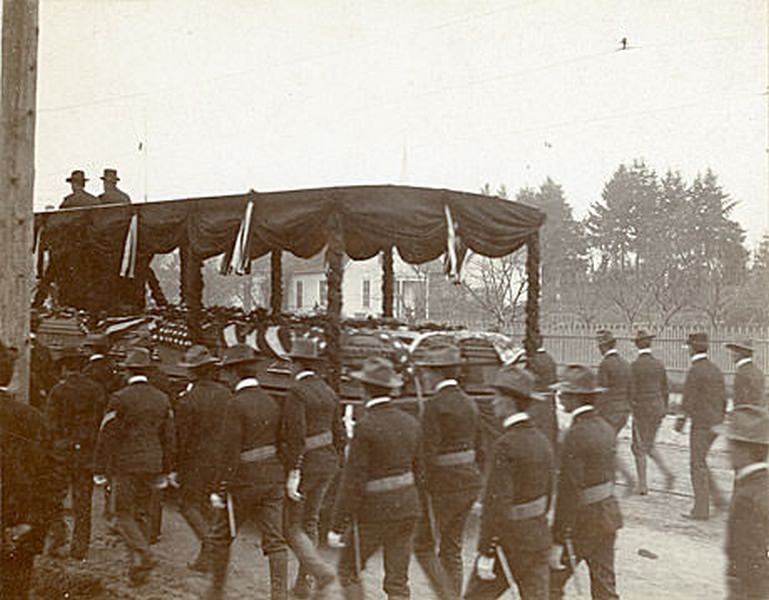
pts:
[133, 504]
[645, 427]
[395, 537]
[599, 555]
[700, 441]
[530, 571]
[195, 507]
[79, 482]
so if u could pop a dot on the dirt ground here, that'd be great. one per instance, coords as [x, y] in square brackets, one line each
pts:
[689, 561]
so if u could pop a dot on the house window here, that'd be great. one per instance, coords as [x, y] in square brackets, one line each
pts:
[322, 292]
[366, 293]
[299, 292]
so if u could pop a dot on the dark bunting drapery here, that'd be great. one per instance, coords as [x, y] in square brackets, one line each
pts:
[388, 282]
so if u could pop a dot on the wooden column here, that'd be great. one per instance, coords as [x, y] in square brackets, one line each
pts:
[192, 289]
[532, 294]
[17, 153]
[334, 255]
[276, 281]
[388, 282]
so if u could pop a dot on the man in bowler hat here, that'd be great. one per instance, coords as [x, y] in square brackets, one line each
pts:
[748, 378]
[111, 193]
[79, 198]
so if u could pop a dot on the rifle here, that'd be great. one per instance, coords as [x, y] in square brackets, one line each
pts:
[569, 547]
[506, 570]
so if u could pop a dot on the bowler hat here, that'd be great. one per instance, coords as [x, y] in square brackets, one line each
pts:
[746, 423]
[378, 371]
[642, 335]
[238, 354]
[110, 175]
[515, 381]
[440, 355]
[197, 356]
[745, 345]
[138, 358]
[578, 379]
[76, 175]
[604, 336]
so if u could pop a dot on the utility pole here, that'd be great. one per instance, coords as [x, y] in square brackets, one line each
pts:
[17, 156]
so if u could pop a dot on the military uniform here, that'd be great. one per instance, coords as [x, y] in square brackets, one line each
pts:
[515, 506]
[649, 400]
[75, 410]
[749, 384]
[544, 414]
[614, 404]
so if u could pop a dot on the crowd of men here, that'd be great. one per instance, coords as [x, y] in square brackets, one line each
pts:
[407, 480]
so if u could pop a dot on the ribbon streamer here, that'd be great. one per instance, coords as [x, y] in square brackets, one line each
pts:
[238, 261]
[128, 262]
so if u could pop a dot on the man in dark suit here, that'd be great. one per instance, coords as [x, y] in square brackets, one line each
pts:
[514, 531]
[251, 477]
[199, 422]
[315, 439]
[111, 193]
[545, 372]
[79, 198]
[137, 434]
[587, 515]
[747, 530]
[704, 402]
[748, 378]
[378, 492]
[75, 408]
[453, 452]
[649, 402]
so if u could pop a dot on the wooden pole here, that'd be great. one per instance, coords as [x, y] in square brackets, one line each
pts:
[532, 294]
[17, 153]
[276, 281]
[388, 282]
[334, 256]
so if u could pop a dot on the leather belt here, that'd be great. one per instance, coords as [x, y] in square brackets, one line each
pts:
[528, 510]
[319, 440]
[596, 493]
[258, 454]
[388, 484]
[452, 459]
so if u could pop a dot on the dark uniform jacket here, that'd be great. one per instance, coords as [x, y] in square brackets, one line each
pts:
[312, 408]
[102, 370]
[386, 443]
[75, 409]
[252, 422]
[521, 471]
[649, 392]
[451, 423]
[199, 423]
[614, 375]
[79, 199]
[115, 196]
[544, 414]
[749, 385]
[544, 369]
[587, 460]
[747, 536]
[704, 397]
[137, 433]
[30, 486]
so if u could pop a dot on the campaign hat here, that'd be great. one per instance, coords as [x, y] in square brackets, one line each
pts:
[642, 335]
[746, 423]
[744, 345]
[110, 175]
[138, 358]
[197, 356]
[515, 381]
[577, 379]
[379, 371]
[604, 336]
[238, 354]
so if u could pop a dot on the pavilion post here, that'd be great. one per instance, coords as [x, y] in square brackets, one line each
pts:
[192, 289]
[334, 255]
[276, 281]
[532, 294]
[388, 282]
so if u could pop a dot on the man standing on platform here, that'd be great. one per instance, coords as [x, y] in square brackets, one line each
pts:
[649, 401]
[748, 378]
[515, 538]
[453, 451]
[111, 193]
[704, 402]
[79, 198]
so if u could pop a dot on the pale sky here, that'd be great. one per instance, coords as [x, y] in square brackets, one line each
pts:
[230, 95]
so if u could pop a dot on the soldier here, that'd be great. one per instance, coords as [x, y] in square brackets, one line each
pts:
[199, 422]
[79, 197]
[315, 440]
[75, 409]
[587, 515]
[545, 372]
[378, 492]
[748, 378]
[453, 451]
[111, 193]
[747, 531]
[514, 538]
[137, 434]
[100, 367]
[704, 401]
[649, 402]
[614, 404]
[251, 476]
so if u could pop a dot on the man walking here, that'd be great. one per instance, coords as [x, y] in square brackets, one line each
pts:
[515, 538]
[748, 378]
[649, 402]
[704, 402]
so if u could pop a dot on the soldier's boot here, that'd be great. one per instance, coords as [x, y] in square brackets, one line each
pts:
[219, 562]
[202, 563]
[669, 477]
[353, 591]
[436, 575]
[640, 467]
[279, 575]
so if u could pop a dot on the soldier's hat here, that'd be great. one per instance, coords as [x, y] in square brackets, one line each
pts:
[440, 355]
[746, 423]
[197, 356]
[306, 349]
[744, 345]
[517, 382]
[110, 175]
[378, 371]
[138, 358]
[77, 175]
[604, 336]
[697, 340]
[577, 379]
[642, 335]
[237, 355]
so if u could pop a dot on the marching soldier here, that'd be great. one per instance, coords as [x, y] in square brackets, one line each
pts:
[315, 439]
[649, 402]
[748, 378]
[587, 515]
[251, 476]
[137, 435]
[614, 404]
[111, 193]
[199, 420]
[453, 451]
[514, 538]
[75, 409]
[747, 530]
[704, 401]
[545, 372]
[79, 197]
[100, 366]
[378, 492]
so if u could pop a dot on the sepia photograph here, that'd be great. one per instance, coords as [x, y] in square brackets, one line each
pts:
[346, 300]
